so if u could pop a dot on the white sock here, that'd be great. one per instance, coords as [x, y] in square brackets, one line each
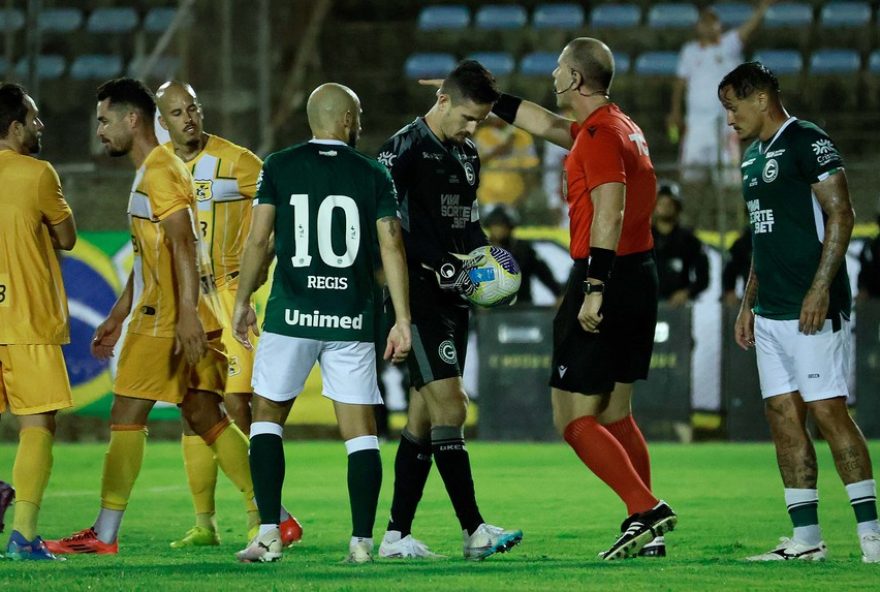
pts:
[795, 499]
[355, 540]
[284, 514]
[264, 528]
[107, 525]
[392, 536]
[864, 492]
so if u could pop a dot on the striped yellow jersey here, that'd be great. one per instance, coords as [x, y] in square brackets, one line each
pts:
[225, 176]
[162, 187]
[33, 304]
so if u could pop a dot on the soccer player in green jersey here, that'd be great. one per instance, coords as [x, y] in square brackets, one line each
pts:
[796, 307]
[331, 209]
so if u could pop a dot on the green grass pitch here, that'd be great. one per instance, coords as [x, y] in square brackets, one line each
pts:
[728, 496]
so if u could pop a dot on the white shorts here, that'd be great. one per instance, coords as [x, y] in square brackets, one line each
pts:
[788, 361]
[348, 369]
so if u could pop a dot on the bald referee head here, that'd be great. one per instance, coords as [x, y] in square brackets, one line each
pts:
[586, 69]
[334, 113]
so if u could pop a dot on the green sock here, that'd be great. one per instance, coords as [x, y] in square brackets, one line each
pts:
[267, 471]
[364, 483]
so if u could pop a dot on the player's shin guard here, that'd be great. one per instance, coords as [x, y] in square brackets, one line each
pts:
[122, 465]
[30, 475]
[267, 468]
[201, 473]
[411, 468]
[364, 483]
[627, 432]
[454, 466]
[803, 509]
[608, 460]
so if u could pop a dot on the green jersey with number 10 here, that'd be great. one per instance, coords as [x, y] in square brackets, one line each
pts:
[327, 198]
[788, 224]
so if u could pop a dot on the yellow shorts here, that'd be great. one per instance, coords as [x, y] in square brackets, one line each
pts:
[241, 360]
[33, 379]
[149, 369]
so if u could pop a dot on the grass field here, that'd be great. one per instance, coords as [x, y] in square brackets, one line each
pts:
[728, 497]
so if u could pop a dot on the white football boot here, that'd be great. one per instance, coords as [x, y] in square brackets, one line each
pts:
[262, 548]
[394, 546]
[488, 540]
[870, 547]
[791, 550]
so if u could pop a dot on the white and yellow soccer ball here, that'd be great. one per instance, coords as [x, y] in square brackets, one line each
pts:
[496, 277]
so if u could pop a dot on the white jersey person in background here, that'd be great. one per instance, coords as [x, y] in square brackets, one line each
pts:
[702, 63]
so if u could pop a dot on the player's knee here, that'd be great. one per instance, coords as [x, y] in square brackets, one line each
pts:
[239, 409]
[831, 415]
[202, 412]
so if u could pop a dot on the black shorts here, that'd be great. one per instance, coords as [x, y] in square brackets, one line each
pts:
[590, 363]
[439, 331]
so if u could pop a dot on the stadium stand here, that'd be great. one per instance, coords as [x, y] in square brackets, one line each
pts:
[732, 14]
[158, 19]
[500, 63]
[96, 67]
[439, 18]
[671, 24]
[60, 20]
[538, 63]
[786, 24]
[845, 24]
[558, 16]
[428, 65]
[500, 16]
[49, 67]
[834, 81]
[112, 20]
[11, 20]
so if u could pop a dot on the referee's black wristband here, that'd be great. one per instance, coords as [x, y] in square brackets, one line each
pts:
[601, 263]
[506, 107]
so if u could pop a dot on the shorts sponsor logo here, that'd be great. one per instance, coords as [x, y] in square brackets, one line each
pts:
[234, 366]
[771, 171]
[295, 318]
[447, 352]
[469, 173]
[813, 375]
[562, 371]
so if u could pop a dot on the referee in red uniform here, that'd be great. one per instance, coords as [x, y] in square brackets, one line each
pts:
[603, 333]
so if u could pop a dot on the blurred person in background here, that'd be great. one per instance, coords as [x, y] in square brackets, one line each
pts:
[508, 162]
[869, 270]
[500, 224]
[682, 264]
[702, 63]
[736, 271]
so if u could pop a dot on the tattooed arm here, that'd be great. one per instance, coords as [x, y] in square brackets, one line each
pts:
[832, 194]
[394, 264]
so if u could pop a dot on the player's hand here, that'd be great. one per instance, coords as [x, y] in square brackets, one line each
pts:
[106, 336]
[453, 273]
[813, 311]
[744, 328]
[679, 298]
[244, 318]
[435, 82]
[399, 342]
[589, 316]
[190, 338]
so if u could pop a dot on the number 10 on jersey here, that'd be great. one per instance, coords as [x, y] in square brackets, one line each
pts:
[301, 238]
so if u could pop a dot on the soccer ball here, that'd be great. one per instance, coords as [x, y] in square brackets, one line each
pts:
[497, 277]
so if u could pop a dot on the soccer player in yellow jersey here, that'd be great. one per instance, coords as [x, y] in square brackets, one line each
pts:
[172, 350]
[34, 220]
[226, 183]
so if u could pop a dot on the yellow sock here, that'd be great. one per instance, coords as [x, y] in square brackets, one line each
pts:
[230, 447]
[30, 475]
[122, 464]
[201, 473]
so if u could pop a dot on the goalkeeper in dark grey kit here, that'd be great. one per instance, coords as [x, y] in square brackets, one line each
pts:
[436, 169]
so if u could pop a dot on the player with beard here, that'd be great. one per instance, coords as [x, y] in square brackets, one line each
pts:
[33, 311]
[225, 178]
[603, 333]
[172, 350]
[436, 170]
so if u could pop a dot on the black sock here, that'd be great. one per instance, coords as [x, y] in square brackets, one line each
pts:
[454, 466]
[411, 467]
[267, 471]
[364, 483]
